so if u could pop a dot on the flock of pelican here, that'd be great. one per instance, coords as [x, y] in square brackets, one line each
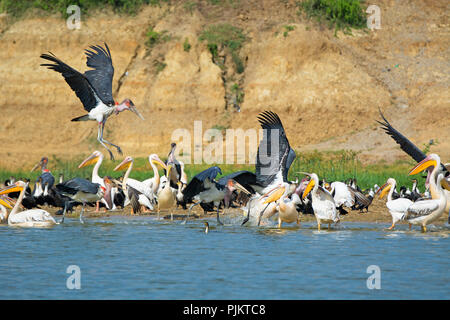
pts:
[264, 195]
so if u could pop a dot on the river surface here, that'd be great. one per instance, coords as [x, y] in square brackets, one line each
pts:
[124, 257]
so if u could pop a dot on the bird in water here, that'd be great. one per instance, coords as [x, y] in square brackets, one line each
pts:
[27, 218]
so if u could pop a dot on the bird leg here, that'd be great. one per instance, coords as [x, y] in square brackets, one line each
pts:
[261, 214]
[218, 219]
[100, 139]
[318, 225]
[81, 214]
[189, 211]
[97, 206]
[424, 229]
[119, 150]
[391, 227]
[248, 215]
[64, 212]
[279, 223]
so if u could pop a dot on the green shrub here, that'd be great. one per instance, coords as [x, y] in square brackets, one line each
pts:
[340, 14]
[189, 6]
[186, 45]
[19, 7]
[154, 37]
[159, 66]
[226, 36]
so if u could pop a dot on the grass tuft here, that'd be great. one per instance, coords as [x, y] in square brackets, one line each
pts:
[340, 14]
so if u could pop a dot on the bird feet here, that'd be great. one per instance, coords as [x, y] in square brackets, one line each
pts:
[111, 155]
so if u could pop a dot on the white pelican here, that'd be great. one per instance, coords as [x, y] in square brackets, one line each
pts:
[166, 197]
[341, 194]
[273, 160]
[397, 207]
[28, 218]
[96, 158]
[414, 152]
[4, 203]
[155, 181]
[284, 206]
[426, 211]
[144, 193]
[322, 202]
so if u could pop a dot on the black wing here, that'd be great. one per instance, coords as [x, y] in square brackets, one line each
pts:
[406, 145]
[245, 178]
[72, 186]
[102, 74]
[270, 159]
[47, 179]
[77, 81]
[195, 186]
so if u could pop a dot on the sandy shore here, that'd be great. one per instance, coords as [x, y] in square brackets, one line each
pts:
[377, 213]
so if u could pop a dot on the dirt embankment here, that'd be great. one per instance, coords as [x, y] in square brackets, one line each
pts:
[327, 90]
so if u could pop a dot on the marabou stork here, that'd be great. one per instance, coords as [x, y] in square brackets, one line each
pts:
[203, 188]
[274, 158]
[27, 218]
[93, 88]
[46, 178]
[178, 174]
[83, 191]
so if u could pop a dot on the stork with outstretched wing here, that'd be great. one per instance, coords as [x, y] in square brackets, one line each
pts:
[274, 158]
[415, 153]
[93, 88]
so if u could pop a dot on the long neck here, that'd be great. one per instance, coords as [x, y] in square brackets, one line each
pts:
[96, 167]
[119, 108]
[389, 198]
[316, 185]
[156, 176]
[434, 191]
[18, 202]
[125, 177]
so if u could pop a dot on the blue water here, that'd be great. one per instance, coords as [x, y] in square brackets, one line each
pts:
[141, 258]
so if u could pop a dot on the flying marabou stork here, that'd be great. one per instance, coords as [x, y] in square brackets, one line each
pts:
[93, 88]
